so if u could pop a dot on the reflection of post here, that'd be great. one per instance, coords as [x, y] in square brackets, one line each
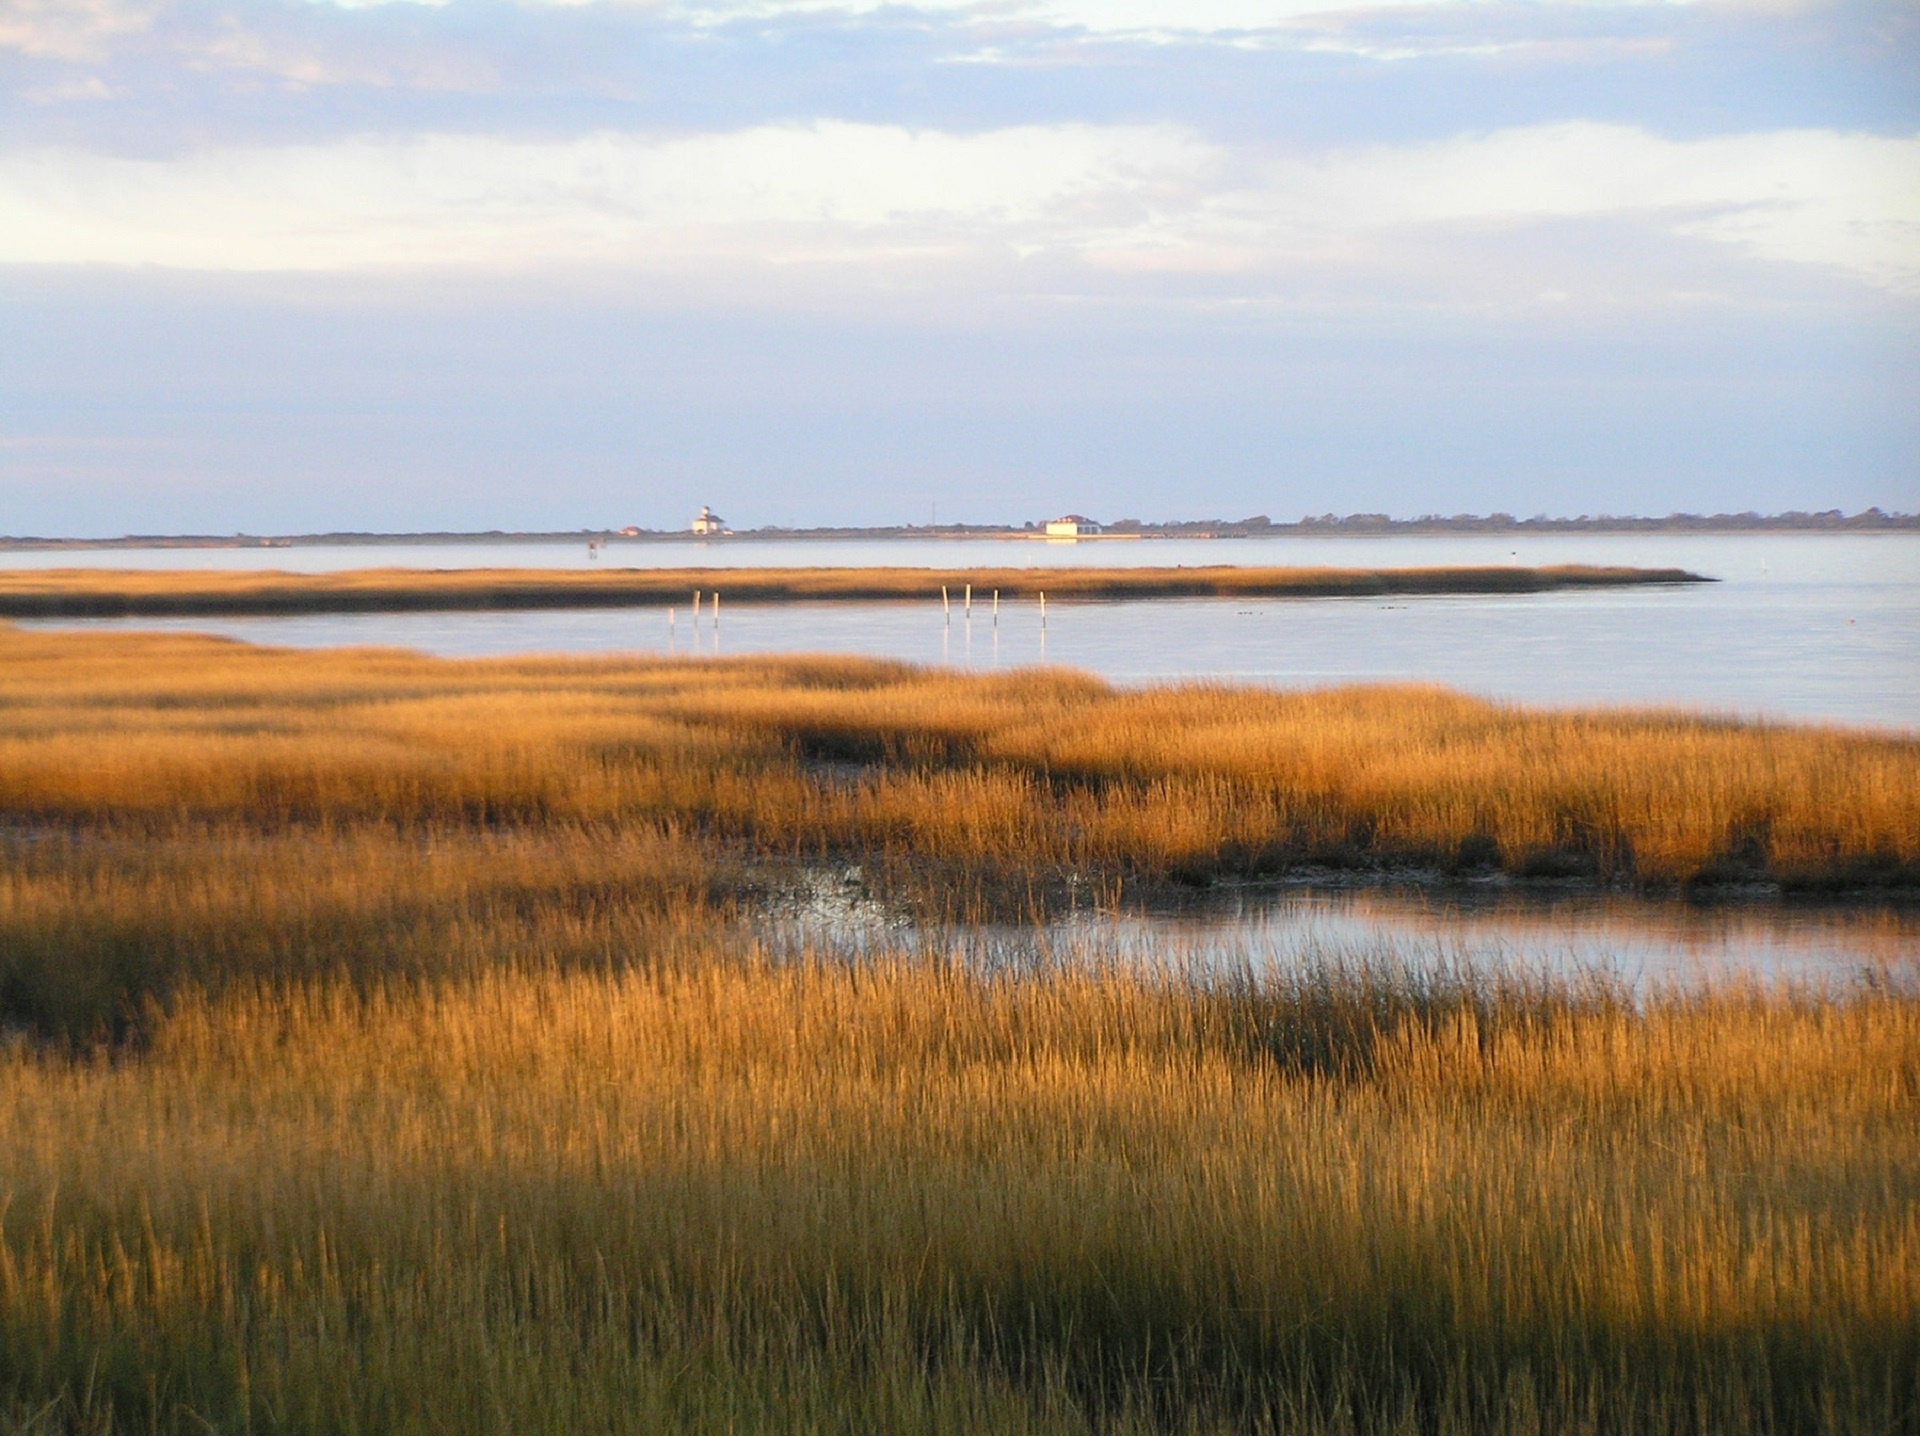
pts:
[716, 623]
[671, 644]
[1043, 626]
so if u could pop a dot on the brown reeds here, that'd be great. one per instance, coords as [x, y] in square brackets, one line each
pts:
[730, 1196]
[1032, 769]
[189, 810]
[97, 593]
[387, 1049]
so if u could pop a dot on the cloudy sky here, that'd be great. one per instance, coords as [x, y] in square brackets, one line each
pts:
[286, 265]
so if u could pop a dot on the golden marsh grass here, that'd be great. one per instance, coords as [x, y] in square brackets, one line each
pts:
[728, 1196]
[80, 592]
[389, 1050]
[1031, 769]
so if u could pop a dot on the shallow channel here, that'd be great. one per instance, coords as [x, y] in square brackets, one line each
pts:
[1639, 942]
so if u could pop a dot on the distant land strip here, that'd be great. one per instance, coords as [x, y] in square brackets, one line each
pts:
[1873, 520]
[127, 593]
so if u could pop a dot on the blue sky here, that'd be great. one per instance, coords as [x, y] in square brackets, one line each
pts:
[302, 265]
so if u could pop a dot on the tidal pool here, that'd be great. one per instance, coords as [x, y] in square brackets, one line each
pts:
[1638, 942]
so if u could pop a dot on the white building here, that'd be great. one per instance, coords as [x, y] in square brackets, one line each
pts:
[709, 522]
[1071, 526]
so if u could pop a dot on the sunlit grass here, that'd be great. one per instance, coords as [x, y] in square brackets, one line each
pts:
[26, 593]
[1035, 768]
[723, 1195]
[388, 1049]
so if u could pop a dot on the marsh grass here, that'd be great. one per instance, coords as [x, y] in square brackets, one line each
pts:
[1037, 768]
[727, 1195]
[94, 927]
[176, 809]
[81, 592]
[390, 1049]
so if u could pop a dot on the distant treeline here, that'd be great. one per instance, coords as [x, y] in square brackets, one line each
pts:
[1873, 520]
[1794, 521]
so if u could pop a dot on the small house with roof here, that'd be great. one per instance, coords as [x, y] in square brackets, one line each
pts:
[1071, 526]
[709, 524]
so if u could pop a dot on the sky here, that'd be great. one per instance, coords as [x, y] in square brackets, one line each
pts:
[282, 266]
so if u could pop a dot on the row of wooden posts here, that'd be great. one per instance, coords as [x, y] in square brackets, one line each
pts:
[946, 608]
[696, 613]
[715, 603]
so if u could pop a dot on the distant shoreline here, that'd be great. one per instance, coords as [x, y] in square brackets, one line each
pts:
[1259, 526]
[131, 593]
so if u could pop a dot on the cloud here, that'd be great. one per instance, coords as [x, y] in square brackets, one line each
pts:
[1230, 21]
[1845, 201]
[86, 89]
[1145, 18]
[886, 205]
[1233, 21]
[76, 31]
[1099, 17]
[297, 58]
[826, 191]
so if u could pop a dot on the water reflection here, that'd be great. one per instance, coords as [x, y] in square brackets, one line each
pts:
[1636, 941]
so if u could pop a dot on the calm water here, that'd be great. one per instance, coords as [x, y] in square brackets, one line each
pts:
[1801, 626]
[1642, 943]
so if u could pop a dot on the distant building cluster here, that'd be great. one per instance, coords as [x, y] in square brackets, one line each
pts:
[708, 524]
[1072, 526]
